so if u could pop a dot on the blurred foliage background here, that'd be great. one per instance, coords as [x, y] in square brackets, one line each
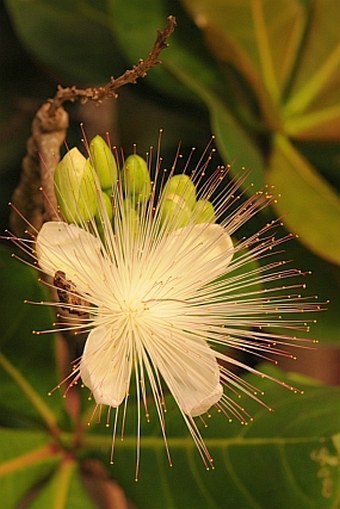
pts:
[264, 78]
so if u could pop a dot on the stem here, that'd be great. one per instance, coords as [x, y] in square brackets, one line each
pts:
[307, 122]
[30, 393]
[264, 49]
[28, 459]
[64, 477]
[303, 98]
[140, 70]
[48, 134]
[99, 441]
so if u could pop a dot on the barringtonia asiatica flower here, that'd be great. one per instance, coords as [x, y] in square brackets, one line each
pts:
[168, 299]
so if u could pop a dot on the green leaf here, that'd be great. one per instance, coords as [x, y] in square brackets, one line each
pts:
[235, 145]
[31, 356]
[286, 458]
[323, 282]
[309, 206]
[312, 111]
[292, 64]
[32, 396]
[242, 33]
[72, 38]
[26, 458]
[64, 490]
[325, 157]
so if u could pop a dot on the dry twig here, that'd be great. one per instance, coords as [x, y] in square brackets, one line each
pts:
[43, 154]
[140, 70]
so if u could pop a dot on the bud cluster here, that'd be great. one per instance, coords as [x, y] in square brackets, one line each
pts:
[85, 186]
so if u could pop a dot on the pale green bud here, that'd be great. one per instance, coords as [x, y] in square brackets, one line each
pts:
[107, 203]
[136, 179]
[103, 162]
[130, 215]
[183, 186]
[108, 193]
[75, 187]
[174, 212]
[203, 212]
[128, 204]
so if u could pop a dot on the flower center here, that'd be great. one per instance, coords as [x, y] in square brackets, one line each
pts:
[133, 310]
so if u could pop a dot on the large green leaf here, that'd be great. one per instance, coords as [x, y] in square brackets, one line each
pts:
[236, 146]
[286, 458]
[71, 37]
[309, 205]
[296, 447]
[323, 282]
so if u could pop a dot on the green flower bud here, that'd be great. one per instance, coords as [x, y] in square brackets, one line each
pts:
[130, 215]
[107, 202]
[128, 204]
[103, 162]
[108, 193]
[136, 179]
[203, 212]
[174, 212]
[183, 186]
[75, 187]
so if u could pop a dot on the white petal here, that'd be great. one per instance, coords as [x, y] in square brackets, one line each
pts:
[191, 372]
[205, 246]
[190, 257]
[70, 249]
[210, 242]
[207, 402]
[105, 366]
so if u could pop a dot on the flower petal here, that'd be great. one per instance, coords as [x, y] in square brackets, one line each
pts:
[105, 366]
[191, 257]
[210, 242]
[70, 249]
[190, 370]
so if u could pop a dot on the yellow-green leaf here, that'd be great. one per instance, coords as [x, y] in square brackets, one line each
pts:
[309, 206]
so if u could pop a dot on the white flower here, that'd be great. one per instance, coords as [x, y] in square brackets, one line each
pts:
[157, 299]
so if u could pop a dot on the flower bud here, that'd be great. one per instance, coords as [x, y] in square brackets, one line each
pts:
[203, 212]
[108, 193]
[130, 216]
[174, 212]
[136, 179]
[183, 186]
[103, 162]
[75, 187]
[107, 203]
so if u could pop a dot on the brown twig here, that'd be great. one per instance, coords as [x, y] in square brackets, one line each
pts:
[43, 154]
[98, 94]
